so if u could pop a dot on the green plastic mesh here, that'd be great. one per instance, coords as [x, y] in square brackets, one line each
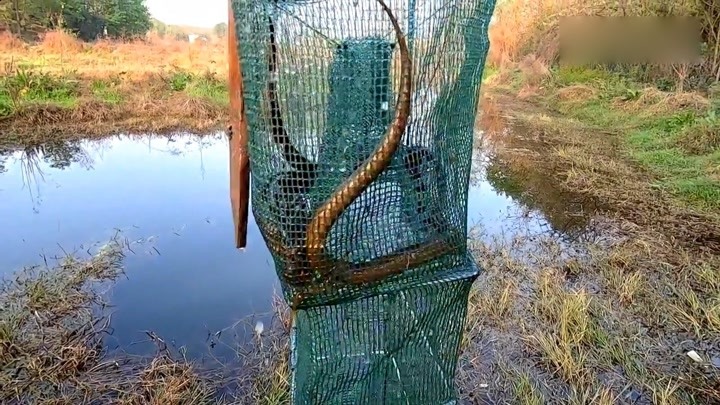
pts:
[394, 348]
[381, 319]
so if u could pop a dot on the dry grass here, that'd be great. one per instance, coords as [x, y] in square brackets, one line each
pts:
[59, 52]
[51, 341]
[167, 381]
[89, 118]
[598, 319]
[60, 42]
[534, 70]
[652, 100]
[51, 348]
[137, 86]
[578, 339]
[104, 107]
[265, 376]
[528, 26]
[577, 92]
[532, 27]
[525, 391]
[700, 140]
[9, 42]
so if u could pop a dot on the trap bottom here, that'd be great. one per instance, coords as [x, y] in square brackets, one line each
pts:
[393, 348]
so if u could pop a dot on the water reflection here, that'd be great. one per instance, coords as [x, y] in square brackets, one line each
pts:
[3, 160]
[189, 283]
[509, 160]
[59, 154]
[188, 279]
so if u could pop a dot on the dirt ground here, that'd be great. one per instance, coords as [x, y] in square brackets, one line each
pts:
[630, 313]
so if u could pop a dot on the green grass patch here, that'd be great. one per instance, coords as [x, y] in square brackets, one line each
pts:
[682, 152]
[106, 90]
[595, 112]
[488, 72]
[205, 86]
[27, 87]
[648, 140]
[209, 87]
[598, 113]
[681, 149]
[610, 85]
[702, 191]
[668, 162]
[179, 80]
[569, 75]
[7, 106]
[526, 392]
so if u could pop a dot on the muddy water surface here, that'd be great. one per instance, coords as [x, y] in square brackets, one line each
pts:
[186, 280]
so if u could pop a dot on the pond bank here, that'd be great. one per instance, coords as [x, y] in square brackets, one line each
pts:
[603, 320]
[51, 340]
[61, 87]
[54, 321]
[37, 106]
[596, 163]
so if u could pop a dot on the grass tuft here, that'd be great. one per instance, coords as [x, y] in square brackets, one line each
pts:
[701, 139]
[526, 392]
[60, 42]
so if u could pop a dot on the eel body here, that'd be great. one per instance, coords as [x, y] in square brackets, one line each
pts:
[329, 212]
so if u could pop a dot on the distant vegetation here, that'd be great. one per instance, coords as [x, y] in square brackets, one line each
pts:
[182, 32]
[88, 19]
[99, 66]
[60, 86]
[221, 30]
[529, 30]
[666, 117]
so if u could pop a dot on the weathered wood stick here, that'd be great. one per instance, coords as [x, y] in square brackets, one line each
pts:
[239, 159]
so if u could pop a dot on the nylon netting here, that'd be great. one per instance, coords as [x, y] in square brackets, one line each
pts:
[365, 211]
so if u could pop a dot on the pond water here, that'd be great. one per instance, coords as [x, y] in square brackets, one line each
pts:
[187, 280]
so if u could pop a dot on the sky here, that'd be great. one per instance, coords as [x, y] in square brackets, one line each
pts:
[198, 13]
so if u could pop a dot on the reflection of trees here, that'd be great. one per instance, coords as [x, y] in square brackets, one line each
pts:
[60, 154]
[4, 154]
[178, 144]
[30, 169]
[56, 154]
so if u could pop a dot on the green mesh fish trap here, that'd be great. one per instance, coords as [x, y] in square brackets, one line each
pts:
[360, 118]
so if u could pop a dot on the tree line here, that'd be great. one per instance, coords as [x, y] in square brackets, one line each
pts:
[88, 19]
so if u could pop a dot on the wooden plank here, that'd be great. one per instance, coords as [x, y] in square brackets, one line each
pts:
[239, 159]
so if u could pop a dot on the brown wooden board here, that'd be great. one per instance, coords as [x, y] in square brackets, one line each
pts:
[239, 160]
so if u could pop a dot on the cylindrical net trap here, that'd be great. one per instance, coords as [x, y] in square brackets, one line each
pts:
[360, 118]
